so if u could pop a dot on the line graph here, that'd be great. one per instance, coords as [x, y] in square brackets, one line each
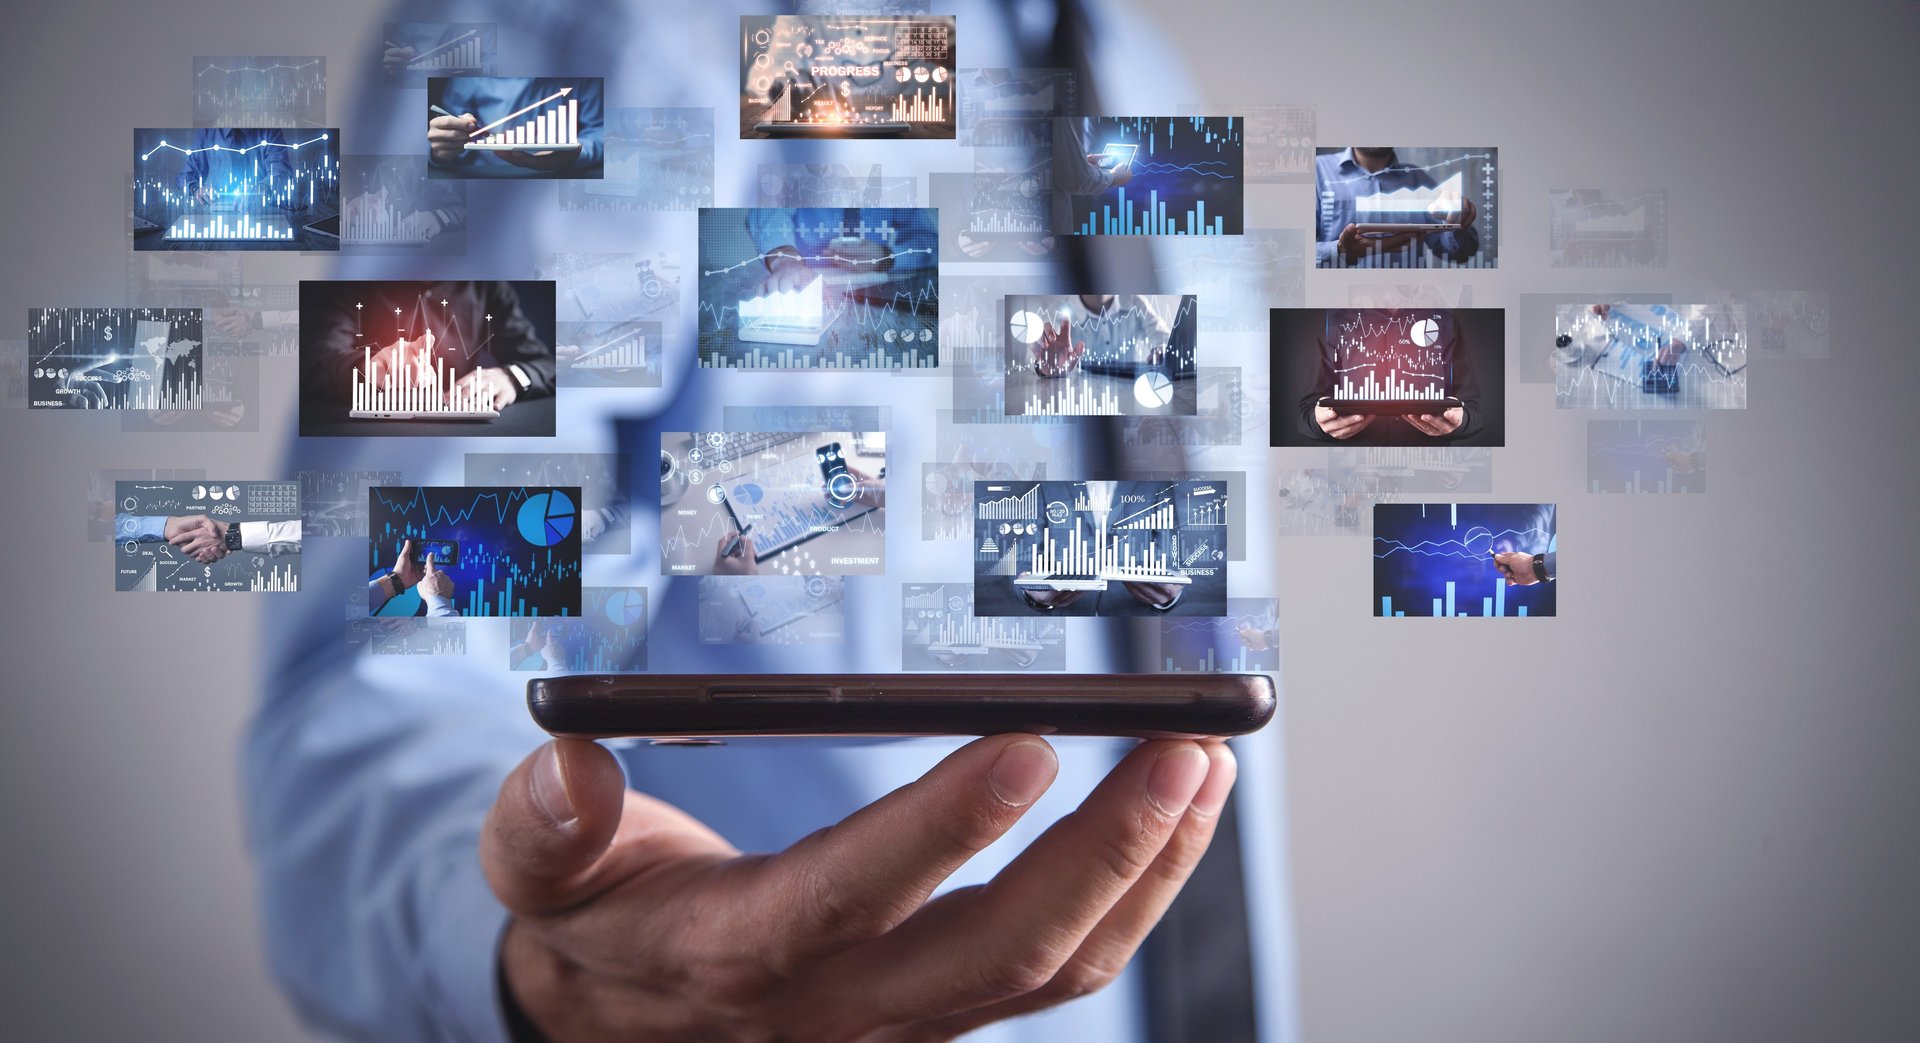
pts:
[1427, 556]
[291, 146]
[275, 67]
[259, 91]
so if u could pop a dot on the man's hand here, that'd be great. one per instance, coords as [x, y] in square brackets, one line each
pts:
[1056, 352]
[1439, 425]
[544, 161]
[415, 354]
[1118, 175]
[1353, 246]
[488, 379]
[1467, 213]
[421, 224]
[1154, 595]
[786, 272]
[1341, 427]
[739, 563]
[447, 135]
[407, 566]
[394, 60]
[631, 920]
[872, 491]
[435, 582]
[1517, 567]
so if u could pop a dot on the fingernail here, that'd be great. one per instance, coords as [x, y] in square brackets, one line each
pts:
[1221, 771]
[1021, 773]
[550, 786]
[1175, 777]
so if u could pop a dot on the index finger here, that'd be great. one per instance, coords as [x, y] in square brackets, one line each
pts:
[1009, 937]
[859, 879]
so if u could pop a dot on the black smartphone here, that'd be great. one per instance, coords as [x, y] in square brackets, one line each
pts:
[832, 461]
[445, 553]
[1148, 706]
[840, 487]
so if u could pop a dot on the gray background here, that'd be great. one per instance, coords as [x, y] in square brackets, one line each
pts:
[1682, 810]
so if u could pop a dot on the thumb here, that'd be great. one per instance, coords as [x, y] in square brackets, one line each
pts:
[555, 816]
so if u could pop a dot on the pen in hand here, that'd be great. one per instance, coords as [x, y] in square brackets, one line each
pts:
[734, 544]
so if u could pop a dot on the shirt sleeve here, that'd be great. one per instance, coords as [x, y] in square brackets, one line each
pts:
[1319, 387]
[1073, 173]
[376, 595]
[140, 528]
[367, 779]
[270, 537]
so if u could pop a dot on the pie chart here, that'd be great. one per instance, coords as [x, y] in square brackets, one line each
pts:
[1425, 332]
[1153, 389]
[1027, 326]
[626, 607]
[546, 518]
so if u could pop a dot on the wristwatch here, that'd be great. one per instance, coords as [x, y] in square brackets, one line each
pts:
[232, 536]
[1540, 568]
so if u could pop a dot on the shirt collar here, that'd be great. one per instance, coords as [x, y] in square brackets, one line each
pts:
[1347, 160]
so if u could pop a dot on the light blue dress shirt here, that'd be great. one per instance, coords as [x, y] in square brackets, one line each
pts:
[367, 777]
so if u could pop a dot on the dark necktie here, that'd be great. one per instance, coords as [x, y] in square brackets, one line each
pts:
[1198, 963]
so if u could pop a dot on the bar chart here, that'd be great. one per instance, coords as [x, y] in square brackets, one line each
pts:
[243, 227]
[1109, 547]
[1185, 177]
[369, 220]
[554, 128]
[920, 107]
[463, 53]
[412, 388]
[1390, 356]
[1014, 507]
[939, 631]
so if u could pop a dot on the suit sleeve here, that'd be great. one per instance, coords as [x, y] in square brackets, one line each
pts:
[1466, 386]
[1318, 388]
[516, 345]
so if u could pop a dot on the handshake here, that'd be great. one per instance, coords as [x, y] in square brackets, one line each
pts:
[198, 537]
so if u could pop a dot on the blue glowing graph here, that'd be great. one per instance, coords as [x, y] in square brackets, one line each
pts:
[1436, 559]
[519, 545]
[1187, 177]
[546, 518]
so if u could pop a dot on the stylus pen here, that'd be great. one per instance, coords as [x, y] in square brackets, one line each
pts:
[438, 110]
[740, 531]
